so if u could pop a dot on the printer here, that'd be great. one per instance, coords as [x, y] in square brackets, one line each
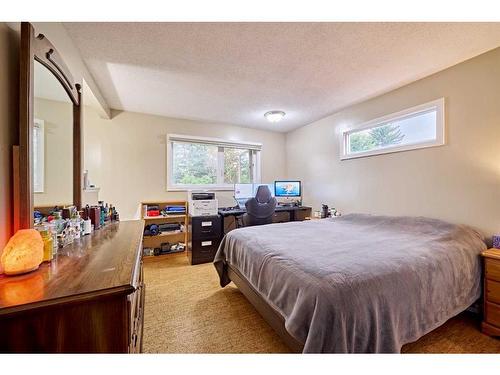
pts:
[202, 203]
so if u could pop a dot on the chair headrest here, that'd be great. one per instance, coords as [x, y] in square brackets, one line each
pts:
[263, 194]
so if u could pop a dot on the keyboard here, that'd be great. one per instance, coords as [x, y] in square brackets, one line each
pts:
[225, 209]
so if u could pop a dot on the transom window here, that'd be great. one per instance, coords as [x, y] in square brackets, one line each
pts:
[417, 127]
[210, 163]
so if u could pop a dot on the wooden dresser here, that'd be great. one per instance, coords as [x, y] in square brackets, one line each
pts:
[491, 323]
[89, 299]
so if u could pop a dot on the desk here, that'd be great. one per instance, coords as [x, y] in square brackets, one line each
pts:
[282, 214]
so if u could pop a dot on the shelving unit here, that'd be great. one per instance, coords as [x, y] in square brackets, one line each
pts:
[172, 237]
[151, 218]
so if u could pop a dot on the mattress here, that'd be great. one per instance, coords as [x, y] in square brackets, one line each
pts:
[358, 283]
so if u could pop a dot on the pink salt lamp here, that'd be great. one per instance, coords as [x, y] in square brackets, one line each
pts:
[23, 253]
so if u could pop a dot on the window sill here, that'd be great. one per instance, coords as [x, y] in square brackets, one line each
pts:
[391, 150]
[201, 187]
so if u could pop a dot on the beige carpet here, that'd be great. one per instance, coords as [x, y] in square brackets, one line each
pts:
[188, 312]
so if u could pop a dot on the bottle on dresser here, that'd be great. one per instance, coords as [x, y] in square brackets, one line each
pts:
[76, 224]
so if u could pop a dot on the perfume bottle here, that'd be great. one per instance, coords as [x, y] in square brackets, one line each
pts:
[102, 213]
[76, 223]
[59, 222]
[87, 223]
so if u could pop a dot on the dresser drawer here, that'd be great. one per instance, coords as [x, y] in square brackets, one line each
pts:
[493, 269]
[136, 319]
[205, 227]
[493, 291]
[134, 304]
[493, 314]
[281, 217]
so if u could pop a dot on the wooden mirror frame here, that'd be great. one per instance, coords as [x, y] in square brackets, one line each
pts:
[38, 47]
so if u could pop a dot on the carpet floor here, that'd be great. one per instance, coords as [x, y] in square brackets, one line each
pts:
[188, 312]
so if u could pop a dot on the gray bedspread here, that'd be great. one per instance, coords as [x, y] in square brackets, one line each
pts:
[359, 283]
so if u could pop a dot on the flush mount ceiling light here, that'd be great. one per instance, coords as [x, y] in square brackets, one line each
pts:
[274, 116]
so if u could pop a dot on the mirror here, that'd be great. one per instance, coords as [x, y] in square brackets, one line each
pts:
[52, 141]
[48, 161]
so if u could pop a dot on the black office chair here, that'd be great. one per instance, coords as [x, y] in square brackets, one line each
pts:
[260, 210]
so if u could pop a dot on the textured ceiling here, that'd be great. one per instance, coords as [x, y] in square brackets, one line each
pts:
[234, 72]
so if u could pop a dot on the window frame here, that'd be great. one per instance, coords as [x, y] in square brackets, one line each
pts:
[255, 165]
[438, 105]
[39, 140]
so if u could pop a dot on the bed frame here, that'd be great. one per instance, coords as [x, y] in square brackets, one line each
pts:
[268, 312]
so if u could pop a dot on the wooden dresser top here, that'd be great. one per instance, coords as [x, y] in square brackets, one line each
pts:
[491, 253]
[103, 263]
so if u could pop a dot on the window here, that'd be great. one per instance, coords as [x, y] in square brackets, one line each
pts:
[417, 127]
[237, 166]
[38, 156]
[198, 163]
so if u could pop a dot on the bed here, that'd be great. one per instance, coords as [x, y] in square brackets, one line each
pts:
[357, 283]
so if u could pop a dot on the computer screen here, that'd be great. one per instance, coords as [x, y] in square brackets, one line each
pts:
[287, 188]
[270, 186]
[243, 191]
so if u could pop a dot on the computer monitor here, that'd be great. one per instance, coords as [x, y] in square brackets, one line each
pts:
[290, 189]
[256, 186]
[243, 191]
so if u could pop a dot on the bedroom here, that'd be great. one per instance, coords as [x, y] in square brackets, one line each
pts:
[239, 187]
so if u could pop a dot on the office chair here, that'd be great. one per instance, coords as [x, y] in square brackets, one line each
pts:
[260, 210]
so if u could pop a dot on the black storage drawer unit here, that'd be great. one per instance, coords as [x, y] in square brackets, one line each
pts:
[204, 236]
[204, 250]
[206, 227]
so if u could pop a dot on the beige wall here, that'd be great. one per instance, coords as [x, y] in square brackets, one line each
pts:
[458, 182]
[8, 124]
[58, 123]
[126, 156]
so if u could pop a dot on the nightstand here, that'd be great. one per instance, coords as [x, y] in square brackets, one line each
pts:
[491, 322]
